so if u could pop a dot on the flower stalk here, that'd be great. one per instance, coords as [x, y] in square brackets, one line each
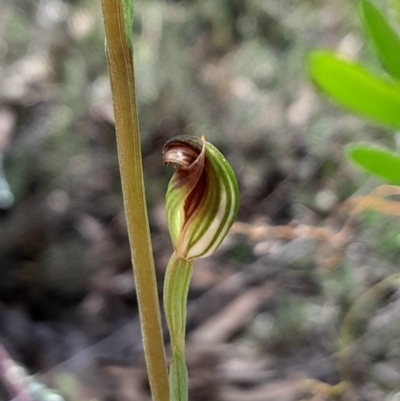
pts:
[118, 16]
[176, 288]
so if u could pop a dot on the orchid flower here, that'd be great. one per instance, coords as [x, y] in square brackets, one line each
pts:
[202, 202]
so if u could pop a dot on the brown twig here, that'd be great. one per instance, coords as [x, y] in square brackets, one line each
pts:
[329, 237]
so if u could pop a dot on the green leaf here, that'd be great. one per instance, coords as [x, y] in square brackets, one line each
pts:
[378, 162]
[354, 87]
[382, 37]
[127, 6]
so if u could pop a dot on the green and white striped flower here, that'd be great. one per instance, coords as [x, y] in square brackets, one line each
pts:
[202, 202]
[202, 197]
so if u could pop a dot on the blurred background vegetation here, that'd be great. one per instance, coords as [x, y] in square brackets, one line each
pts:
[267, 315]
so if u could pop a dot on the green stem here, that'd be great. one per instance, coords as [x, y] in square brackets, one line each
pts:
[121, 68]
[176, 288]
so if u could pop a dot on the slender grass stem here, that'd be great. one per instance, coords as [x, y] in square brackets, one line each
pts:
[121, 69]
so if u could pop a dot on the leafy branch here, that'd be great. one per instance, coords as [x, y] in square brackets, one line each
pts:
[355, 87]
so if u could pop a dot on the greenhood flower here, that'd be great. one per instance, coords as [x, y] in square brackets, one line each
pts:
[202, 197]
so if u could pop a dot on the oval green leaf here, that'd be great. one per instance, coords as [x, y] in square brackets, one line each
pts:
[354, 87]
[382, 37]
[378, 162]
